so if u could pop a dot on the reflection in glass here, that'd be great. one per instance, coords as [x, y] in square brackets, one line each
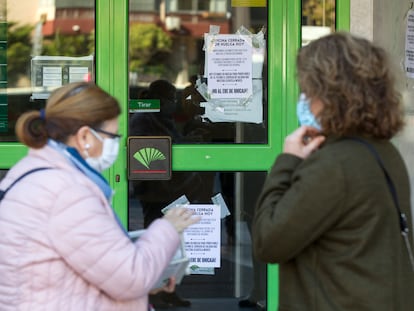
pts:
[30, 29]
[166, 41]
[2, 174]
[239, 275]
[318, 19]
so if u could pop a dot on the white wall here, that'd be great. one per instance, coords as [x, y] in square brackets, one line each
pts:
[22, 11]
[383, 21]
[362, 18]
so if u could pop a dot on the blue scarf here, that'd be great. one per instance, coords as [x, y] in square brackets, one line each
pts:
[75, 158]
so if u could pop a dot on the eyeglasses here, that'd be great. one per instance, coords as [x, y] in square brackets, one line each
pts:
[112, 135]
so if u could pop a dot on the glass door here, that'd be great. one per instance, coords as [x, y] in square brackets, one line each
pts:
[177, 89]
[43, 45]
[221, 143]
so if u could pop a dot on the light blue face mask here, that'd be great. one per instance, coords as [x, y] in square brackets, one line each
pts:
[304, 113]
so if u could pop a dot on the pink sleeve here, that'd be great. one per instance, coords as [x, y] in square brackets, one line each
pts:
[91, 242]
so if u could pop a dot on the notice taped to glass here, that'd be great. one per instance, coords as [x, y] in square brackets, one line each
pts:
[202, 240]
[229, 66]
[409, 45]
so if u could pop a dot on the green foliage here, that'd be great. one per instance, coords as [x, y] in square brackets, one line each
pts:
[19, 48]
[149, 48]
[319, 12]
[18, 51]
[74, 45]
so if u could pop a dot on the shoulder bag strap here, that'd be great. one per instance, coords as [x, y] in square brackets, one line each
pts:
[3, 192]
[403, 219]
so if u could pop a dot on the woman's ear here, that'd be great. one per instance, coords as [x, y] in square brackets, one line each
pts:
[81, 140]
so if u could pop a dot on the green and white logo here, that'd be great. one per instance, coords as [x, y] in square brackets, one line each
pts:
[146, 156]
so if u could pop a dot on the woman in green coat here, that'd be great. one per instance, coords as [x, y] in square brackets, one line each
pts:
[326, 214]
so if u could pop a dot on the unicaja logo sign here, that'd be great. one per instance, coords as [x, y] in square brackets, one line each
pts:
[149, 158]
[146, 156]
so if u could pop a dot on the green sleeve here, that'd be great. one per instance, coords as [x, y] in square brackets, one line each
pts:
[300, 200]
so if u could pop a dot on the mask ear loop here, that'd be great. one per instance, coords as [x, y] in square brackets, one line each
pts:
[94, 133]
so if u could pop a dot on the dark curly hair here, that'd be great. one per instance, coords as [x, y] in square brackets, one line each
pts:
[352, 78]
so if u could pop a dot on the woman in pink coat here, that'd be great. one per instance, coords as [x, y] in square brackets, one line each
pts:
[61, 245]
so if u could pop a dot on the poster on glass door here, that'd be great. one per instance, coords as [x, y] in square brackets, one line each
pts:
[229, 70]
[232, 86]
[202, 240]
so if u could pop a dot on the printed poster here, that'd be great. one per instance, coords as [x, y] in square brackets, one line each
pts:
[202, 240]
[409, 45]
[229, 70]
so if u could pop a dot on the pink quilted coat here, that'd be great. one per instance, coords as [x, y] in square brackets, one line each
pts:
[62, 249]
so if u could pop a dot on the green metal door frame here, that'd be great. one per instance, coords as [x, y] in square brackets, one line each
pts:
[112, 75]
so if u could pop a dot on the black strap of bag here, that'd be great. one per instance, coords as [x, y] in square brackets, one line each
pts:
[3, 192]
[402, 217]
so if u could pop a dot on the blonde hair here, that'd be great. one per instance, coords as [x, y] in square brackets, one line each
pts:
[68, 108]
[352, 78]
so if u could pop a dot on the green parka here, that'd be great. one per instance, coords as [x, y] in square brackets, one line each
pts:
[331, 224]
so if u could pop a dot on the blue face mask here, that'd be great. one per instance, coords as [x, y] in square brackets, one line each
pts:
[304, 113]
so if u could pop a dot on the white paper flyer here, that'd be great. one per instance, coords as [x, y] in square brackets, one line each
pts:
[202, 240]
